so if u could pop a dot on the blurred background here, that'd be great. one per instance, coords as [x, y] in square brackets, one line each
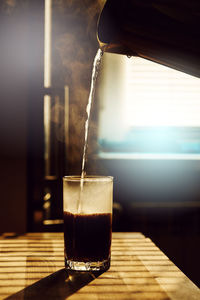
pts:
[144, 129]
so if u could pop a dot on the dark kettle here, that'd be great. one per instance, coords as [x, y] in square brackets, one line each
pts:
[163, 31]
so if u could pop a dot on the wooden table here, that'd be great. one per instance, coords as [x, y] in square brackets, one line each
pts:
[32, 267]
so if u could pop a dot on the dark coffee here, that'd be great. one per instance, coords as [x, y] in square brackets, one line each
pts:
[87, 237]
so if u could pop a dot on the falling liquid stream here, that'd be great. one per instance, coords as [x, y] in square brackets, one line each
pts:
[95, 71]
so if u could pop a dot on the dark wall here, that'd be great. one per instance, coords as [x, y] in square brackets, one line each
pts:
[21, 80]
[13, 117]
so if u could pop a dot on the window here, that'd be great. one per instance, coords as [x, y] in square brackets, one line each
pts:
[147, 108]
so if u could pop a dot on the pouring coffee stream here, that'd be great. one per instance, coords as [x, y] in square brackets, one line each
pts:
[95, 71]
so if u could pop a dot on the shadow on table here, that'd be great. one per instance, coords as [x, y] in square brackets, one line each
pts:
[58, 285]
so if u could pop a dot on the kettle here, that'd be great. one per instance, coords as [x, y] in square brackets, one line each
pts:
[163, 31]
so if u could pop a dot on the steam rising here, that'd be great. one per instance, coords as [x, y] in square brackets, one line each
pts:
[75, 44]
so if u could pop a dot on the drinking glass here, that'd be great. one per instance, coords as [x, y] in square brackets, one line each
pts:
[87, 204]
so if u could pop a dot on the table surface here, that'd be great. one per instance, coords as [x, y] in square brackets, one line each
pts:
[32, 267]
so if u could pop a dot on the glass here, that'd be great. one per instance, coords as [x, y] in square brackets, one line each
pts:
[87, 205]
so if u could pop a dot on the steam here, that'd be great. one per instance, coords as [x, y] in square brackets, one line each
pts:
[75, 45]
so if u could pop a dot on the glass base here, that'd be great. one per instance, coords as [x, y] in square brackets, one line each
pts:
[87, 266]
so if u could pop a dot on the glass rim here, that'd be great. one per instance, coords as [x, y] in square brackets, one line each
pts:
[88, 178]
